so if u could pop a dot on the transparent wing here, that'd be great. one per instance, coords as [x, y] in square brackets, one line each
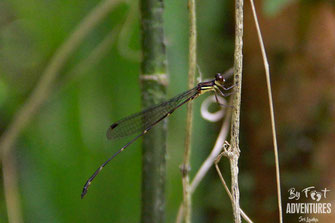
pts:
[147, 118]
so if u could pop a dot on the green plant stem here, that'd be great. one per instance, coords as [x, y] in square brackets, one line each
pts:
[187, 201]
[153, 83]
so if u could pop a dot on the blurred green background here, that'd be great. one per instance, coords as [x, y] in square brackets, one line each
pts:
[65, 142]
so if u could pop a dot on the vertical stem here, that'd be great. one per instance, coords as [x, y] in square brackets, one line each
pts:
[153, 83]
[273, 125]
[11, 189]
[235, 124]
[187, 202]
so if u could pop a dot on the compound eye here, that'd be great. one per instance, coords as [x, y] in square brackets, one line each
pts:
[219, 77]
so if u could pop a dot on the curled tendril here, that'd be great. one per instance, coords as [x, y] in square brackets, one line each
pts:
[212, 116]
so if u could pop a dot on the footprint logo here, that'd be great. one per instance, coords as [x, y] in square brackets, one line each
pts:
[316, 196]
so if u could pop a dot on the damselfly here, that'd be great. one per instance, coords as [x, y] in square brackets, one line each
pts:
[143, 121]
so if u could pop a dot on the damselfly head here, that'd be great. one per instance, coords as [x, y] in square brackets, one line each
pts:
[219, 78]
